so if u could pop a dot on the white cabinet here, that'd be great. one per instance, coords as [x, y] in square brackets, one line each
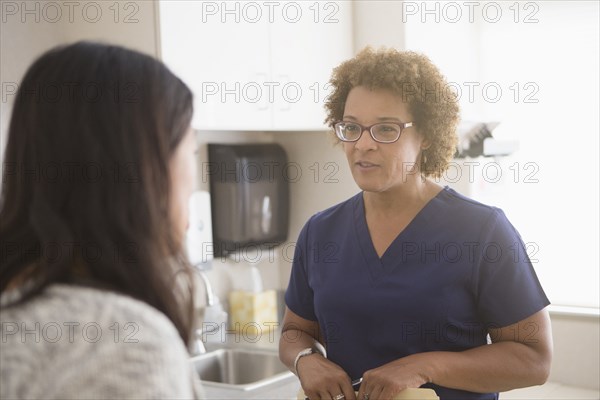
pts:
[219, 61]
[256, 65]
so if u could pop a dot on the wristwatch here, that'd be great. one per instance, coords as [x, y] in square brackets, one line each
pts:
[305, 352]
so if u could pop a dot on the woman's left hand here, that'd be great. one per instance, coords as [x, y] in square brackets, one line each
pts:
[390, 379]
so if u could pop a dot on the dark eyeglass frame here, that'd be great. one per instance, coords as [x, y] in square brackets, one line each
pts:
[401, 126]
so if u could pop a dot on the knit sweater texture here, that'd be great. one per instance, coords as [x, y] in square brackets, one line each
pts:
[75, 342]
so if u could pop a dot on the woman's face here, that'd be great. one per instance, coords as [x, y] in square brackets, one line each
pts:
[379, 167]
[183, 171]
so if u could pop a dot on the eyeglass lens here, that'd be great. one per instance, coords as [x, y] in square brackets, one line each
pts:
[383, 132]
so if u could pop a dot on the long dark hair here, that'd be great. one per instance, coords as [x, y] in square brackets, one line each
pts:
[85, 186]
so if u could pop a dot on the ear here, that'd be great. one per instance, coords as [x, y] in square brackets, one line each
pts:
[425, 144]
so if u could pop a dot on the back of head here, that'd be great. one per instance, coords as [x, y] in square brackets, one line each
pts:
[85, 191]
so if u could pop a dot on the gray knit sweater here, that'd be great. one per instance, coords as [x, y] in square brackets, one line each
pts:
[76, 342]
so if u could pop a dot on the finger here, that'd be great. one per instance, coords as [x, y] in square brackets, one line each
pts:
[375, 394]
[311, 395]
[317, 395]
[363, 392]
[326, 395]
[348, 391]
[338, 393]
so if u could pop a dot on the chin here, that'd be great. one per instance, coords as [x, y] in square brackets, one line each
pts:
[370, 186]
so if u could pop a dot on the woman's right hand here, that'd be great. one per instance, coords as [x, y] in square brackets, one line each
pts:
[323, 379]
[319, 377]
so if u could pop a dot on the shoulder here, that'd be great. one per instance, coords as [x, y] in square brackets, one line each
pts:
[456, 208]
[104, 306]
[136, 349]
[123, 320]
[337, 213]
[84, 317]
[471, 221]
[334, 220]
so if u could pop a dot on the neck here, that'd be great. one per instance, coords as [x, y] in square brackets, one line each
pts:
[413, 193]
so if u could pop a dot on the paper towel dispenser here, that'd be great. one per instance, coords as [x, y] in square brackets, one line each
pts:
[249, 193]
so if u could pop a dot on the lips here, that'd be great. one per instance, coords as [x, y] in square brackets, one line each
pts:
[365, 164]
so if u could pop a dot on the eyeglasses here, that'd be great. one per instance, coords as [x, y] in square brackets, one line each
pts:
[383, 132]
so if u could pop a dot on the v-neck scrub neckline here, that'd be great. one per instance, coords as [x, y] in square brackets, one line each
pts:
[458, 269]
[386, 261]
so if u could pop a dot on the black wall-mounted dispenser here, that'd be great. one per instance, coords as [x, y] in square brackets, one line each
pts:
[249, 193]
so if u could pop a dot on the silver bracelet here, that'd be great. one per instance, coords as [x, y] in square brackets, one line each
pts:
[305, 352]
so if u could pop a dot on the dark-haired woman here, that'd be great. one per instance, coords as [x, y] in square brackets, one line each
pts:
[405, 282]
[96, 292]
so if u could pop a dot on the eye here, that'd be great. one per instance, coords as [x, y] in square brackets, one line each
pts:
[387, 128]
[351, 128]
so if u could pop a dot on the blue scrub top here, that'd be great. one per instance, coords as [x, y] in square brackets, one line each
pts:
[456, 270]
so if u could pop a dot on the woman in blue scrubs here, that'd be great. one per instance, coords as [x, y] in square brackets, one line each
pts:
[409, 284]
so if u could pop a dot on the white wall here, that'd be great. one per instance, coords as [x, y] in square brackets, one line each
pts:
[30, 28]
[20, 43]
[130, 24]
[377, 23]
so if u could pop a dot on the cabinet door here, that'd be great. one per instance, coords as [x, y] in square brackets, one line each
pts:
[223, 55]
[308, 39]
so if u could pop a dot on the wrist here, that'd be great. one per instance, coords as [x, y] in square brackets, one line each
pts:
[422, 366]
[309, 351]
[426, 365]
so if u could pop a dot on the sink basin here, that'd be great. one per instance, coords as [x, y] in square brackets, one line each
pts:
[240, 369]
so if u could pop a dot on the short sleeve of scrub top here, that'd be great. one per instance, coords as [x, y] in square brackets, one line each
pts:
[458, 269]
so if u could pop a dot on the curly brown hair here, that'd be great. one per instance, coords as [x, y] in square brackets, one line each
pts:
[412, 76]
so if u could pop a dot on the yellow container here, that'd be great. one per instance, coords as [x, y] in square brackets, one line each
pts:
[253, 314]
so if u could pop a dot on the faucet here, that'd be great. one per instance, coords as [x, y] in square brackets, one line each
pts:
[213, 314]
[210, 295]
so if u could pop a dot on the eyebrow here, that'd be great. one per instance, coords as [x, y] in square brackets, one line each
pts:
[379, 118]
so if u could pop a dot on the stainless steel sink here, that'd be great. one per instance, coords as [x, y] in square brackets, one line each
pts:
[240, 369]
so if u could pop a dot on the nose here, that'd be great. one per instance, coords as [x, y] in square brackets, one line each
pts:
[365, 141]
